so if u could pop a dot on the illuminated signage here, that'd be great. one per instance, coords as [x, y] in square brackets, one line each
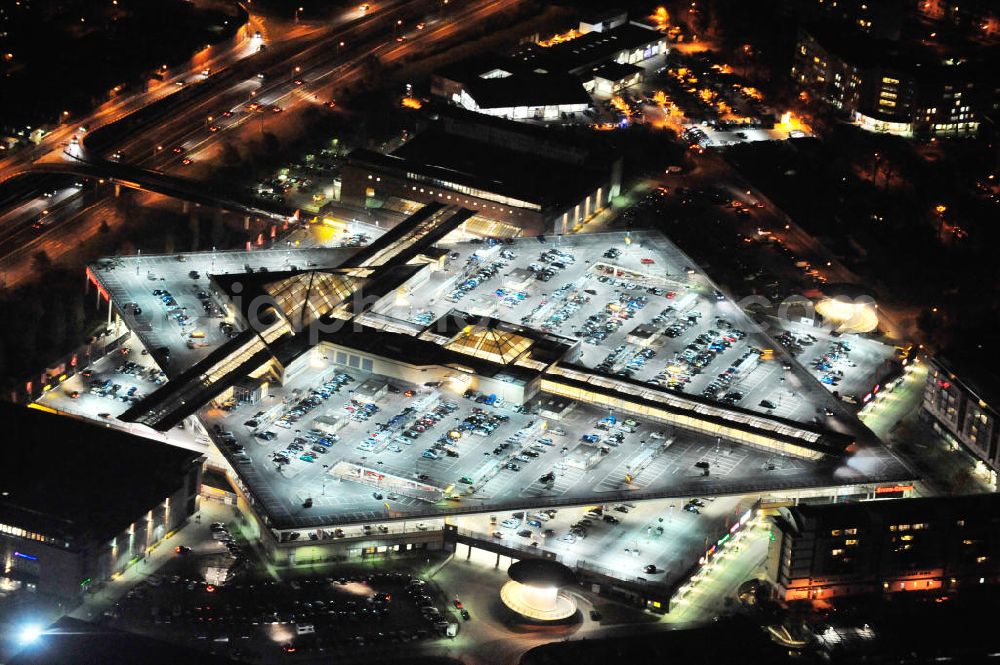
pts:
[892, 489]
[22, 555]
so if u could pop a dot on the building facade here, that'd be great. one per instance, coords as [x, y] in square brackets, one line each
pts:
[963, 411]
[894, 87]
[928, 544]
[524, 179]
[121, 495]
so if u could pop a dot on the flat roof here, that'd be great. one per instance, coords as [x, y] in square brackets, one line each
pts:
[616, 71]
[591, 48]
[479, 65]
[418, 340]
[920, 509]
[562, 143]
[106, 478]
[708, 411]
[911, 54]
[465, 161]
[413, 351]
[541, 572]
[533, 89]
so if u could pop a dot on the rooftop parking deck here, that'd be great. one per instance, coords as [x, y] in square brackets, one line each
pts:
[312, 457]
[176, 306]
[603, 287]
[402, 481]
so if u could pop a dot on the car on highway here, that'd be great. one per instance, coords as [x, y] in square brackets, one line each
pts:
[213, 128]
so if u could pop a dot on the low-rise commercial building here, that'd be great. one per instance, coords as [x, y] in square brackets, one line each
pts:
[834, 550]
[516, 178]
[80, 503]
[612, 77]
[551, 81]
[626, 44]
[508, 88]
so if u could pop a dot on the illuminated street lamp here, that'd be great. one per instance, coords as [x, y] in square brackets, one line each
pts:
[300, 9]
[30, 633]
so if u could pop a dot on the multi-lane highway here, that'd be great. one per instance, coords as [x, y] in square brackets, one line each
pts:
[190, 115]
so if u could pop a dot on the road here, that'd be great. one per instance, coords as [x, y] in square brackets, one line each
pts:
[165, 144]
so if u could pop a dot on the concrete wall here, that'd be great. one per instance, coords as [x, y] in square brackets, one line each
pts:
[60, 571]
[451, 379]
[355, 189]
[56, 572]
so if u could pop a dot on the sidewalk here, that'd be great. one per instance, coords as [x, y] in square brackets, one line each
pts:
[720, 580]
[191, 535]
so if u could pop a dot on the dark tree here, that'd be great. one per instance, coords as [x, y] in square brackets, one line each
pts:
[41, 262]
